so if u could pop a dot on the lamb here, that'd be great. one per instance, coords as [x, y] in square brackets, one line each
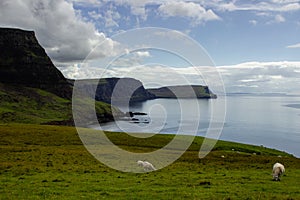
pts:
[278, 170]
[146, 165]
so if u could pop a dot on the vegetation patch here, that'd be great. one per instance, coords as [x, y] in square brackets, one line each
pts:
[19, 104]
[50, 162]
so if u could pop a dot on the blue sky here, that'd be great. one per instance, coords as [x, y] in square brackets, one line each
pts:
[250, 32]
[254, 44]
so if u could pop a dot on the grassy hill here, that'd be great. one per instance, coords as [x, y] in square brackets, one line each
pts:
[21, 104]
[50, 162]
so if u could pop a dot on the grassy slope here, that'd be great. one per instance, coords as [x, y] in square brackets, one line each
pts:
[50, 162]
[31, 105]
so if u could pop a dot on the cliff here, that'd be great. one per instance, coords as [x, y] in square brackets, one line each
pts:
[120, 89]
[129, 89]
[183, 91]
[32, 89]
[24, 62]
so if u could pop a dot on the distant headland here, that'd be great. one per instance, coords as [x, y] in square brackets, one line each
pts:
[124, 89]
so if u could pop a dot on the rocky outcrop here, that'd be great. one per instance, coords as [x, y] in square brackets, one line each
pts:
[118, 90]
[124, 90]
[24, 62]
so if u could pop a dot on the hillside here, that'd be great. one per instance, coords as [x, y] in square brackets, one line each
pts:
[32, 89]
[50, 162]
[19, 104]
[183, 91]
[24, 62]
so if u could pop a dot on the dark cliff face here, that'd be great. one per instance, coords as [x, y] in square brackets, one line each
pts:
[23, 61]
[115, 90]
[183, 91]
[120, 91]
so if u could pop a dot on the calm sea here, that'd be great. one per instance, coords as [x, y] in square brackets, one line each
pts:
[261, 120]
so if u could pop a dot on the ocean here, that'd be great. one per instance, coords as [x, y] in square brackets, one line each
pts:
[270, 121]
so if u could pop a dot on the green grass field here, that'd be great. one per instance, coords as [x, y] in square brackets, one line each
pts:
[20, 104]
[50, 162]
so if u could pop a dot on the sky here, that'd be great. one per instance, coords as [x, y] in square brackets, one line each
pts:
[253, 46]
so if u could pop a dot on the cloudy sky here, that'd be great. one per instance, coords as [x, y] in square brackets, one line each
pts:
[254, 44]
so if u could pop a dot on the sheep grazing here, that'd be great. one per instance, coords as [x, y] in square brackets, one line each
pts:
[278, 170]
[146, 165]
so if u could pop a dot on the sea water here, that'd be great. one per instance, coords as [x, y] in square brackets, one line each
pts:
[271, 121]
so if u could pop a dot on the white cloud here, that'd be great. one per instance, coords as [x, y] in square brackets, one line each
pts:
[264, 14]
[191, 10]
[94, 15]
[154, 75]
[59, 28]
[262, 6]
[264, 77]
[290, 7]
[141, 8]
[143, 53]
[138, 7]
[102, 68]
[228, 6]
[253, 22]
[111, 18]
[86, 2]
[83, 71]
[276, 19]
[283, 1]
[279, 19]
[294, 46]
[130, 59]
[200, 11]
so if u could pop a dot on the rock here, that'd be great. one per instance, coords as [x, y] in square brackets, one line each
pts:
[24, 62]
[115, 90]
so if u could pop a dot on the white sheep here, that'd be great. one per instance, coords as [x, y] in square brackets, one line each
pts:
[146, 165]
[278, 170]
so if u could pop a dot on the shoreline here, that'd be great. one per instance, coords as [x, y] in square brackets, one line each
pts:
[195, 136]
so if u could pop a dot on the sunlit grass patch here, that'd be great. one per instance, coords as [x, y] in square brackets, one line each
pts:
[50, 162]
